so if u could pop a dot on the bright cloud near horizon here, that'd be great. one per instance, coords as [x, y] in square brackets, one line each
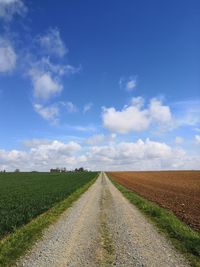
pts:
[103, 85]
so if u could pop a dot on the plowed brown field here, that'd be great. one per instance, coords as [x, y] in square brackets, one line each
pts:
[178, 191]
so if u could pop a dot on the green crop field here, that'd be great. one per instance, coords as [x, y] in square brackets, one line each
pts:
[23, 196]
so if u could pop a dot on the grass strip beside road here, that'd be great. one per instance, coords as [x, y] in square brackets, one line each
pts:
[19, 242]
[186, 240]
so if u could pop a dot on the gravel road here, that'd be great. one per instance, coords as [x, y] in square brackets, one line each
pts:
[102, 229]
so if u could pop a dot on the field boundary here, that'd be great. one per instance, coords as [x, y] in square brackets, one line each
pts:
[16, 244]
[184, 239]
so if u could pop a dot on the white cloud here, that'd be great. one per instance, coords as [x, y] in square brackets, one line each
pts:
[134, 117]
[124, 121]
[46, 77]
[179, 140]
[45, 85]
[11, 160]
[52, 43]
[46, 65]
[98, 139]
[70, 107]
[128, 83]
[95, 139]
[49, 113]
[159, 112]
[88, 128]
[35, 142]
[87, 107]
[69, 69]
[9, 8]
[41, 157]
[140, 155]
[131, 85]
[57, 148]
[7, 56]
[137, 102]
[197, 138]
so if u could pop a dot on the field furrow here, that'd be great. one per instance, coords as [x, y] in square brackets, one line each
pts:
[178, 191]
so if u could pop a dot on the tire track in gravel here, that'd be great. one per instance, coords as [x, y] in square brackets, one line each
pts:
[102, 229]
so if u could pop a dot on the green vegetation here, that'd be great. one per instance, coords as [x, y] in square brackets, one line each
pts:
[182, 236]
[26, 195]
[17, 243]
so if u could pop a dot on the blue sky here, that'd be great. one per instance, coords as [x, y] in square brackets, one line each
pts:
[100, 84]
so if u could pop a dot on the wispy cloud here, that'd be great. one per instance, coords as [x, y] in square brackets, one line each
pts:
[53, 112]
[8, 56]
[87, 107]
[45, 72]
[35, 142]
[70, 107]
[10, 8]
[128, 84]
[49, 113]
[197, 138]
[186, 113]
[179, 140]
[87, 128]
[52, 44]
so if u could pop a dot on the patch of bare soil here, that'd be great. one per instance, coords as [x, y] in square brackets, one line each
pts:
[178, 191]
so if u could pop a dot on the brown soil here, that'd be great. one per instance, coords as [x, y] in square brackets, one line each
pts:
[178, 191]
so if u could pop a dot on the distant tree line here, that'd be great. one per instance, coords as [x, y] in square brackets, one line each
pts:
[3, 171]
[81, 169]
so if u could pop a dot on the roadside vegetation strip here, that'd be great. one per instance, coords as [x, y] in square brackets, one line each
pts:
[15, 245]
[186, 240]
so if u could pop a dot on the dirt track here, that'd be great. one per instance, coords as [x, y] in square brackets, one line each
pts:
[102, 229]
[178, 191]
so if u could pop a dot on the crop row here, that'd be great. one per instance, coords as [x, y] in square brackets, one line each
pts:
[23, 196]
[178, 191]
